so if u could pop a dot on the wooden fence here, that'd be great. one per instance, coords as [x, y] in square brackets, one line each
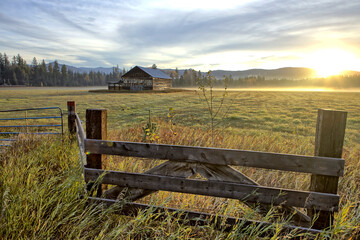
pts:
[214, 164]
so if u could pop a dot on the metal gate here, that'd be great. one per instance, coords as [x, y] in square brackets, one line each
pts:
[41, 121]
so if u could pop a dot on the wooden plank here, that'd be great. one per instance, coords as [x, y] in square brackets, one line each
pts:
[96, 128]
[184, 170]
[329, 139]
[194, 218]
[71, 117]
[243, 192]
[210, 172]
[223, 173]
[218, 156]
[175, 169]
[227, 173]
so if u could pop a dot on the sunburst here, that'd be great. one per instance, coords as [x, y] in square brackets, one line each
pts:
[330, 62]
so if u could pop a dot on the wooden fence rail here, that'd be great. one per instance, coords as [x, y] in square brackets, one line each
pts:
[214, 164]
[224, 223]
[242, 192]
[286, 162]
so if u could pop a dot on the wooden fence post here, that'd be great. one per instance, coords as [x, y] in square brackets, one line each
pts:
[71, 117]
[96, 128]
[329, 139]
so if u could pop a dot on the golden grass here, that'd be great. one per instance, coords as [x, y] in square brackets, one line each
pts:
[41, 183]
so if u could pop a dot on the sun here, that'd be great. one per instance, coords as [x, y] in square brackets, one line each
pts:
[330, 62]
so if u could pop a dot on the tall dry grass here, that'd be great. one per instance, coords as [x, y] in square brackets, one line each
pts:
[346, 221]
[42, 191]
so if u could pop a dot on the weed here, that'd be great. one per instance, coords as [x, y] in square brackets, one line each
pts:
[214, 106]
[150, 131]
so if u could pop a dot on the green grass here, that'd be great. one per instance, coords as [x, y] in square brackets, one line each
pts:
[41, 182]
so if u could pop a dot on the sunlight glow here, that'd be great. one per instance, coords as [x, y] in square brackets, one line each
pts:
[330, 62]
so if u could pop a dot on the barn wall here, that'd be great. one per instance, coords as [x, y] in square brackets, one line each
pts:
[147, 83]
[161, 84]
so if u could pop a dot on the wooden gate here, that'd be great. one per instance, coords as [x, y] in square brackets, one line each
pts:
[214, 164]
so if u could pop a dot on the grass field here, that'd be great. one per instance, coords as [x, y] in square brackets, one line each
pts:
[274, 121]
[291, 114]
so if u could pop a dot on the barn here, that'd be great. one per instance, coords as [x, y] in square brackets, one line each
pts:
[142, 78]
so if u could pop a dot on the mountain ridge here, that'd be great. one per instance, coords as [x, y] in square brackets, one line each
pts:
[280, 73]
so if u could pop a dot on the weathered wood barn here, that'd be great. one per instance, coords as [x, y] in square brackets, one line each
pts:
[141, 78]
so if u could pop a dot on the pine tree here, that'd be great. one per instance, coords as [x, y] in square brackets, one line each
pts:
[86, 79]
[34, 73]
[7, 69]
[21, 69]
[42, 74]
[64, 76]
[14, 79]
[50, 74]
[92, 78]
[116, 73]
[2, 73]
[56, 74]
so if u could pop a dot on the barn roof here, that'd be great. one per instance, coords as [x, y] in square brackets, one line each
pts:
[156, 73]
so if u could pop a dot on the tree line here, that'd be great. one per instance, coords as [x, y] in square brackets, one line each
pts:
[191, 78]
[18, 72]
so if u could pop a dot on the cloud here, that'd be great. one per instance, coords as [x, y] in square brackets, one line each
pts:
[62, 18]
[261, 26]
[22, 28]
[126, 32]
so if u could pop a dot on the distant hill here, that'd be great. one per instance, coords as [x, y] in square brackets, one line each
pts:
[280, 73]
[287, 72]
[85, 69]
[350, 72]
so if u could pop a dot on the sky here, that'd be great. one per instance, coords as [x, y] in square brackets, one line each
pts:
[203, 35]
